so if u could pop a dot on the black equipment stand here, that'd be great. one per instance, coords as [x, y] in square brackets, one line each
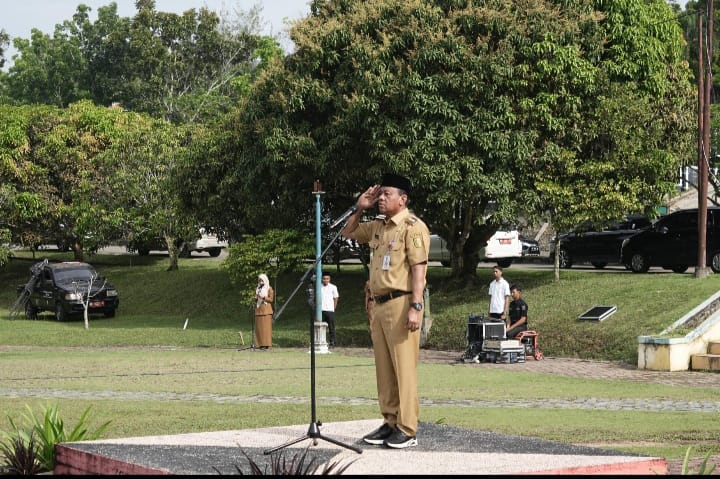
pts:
[313, 431]
[252, 330]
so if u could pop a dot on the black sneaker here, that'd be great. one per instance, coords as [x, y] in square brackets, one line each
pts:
[400, 440]
[378, 436]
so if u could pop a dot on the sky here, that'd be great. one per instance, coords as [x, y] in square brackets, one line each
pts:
[20, 16]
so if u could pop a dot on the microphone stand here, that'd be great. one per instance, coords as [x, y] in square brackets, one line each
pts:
[252, 331]
[314, 428]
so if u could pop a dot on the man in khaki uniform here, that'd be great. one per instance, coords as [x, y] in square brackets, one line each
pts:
[399, 246]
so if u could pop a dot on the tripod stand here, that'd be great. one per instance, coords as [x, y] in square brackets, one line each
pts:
[252, 330]
[313, 431]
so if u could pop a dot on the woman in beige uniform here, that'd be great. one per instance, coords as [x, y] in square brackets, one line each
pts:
[264, 297]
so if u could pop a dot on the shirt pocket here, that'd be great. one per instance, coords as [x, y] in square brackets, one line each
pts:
[397, 247]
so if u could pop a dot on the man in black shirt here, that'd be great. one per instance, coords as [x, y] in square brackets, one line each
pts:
[518, 308]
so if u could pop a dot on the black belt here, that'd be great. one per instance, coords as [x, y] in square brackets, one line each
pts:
[391, 295]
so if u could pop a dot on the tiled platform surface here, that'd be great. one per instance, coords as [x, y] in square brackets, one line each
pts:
[442, 450]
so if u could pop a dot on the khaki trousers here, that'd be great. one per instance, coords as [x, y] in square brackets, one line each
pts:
[396, 358]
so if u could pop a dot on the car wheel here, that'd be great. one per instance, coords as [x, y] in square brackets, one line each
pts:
[504, 263]
[143, 251]
[715, 263]
[599, 264]
[60, 313]
[31, 311]
[565, 260]
[679, 268]
[639, 263]
[109, 314]
[214, 252]
[445, 263]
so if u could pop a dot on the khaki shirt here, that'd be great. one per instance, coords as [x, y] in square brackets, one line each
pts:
[406, 238]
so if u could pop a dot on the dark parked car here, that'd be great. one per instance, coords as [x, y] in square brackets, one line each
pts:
[64, 287]
[529, 247]
[672, 243]
[597, 246]
[344, 248]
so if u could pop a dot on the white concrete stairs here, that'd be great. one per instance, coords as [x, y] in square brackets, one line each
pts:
[709, 361]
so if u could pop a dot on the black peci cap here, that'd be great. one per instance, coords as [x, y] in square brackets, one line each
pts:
[396, 181]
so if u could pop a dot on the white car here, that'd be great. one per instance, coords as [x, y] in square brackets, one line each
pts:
[204, 242]
[501, 248]
[207, 242]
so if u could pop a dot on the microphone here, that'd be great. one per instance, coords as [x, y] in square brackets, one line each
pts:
[350, 211]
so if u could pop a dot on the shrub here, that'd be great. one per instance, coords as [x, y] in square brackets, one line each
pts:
[20, 457]
[49, 429]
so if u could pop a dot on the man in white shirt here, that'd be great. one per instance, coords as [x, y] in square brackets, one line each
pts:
[329, 294]
[499, 292]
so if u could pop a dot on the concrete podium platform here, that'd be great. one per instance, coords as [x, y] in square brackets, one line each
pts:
[441, 450]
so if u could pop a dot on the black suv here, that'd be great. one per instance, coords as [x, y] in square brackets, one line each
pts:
[597, 246]
[672, 243]
[63, 288]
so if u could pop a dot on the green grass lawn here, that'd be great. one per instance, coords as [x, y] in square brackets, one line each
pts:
[155, 305]
[145, 349]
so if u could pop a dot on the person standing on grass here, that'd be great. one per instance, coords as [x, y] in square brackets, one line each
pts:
[400, 245]
[329, 300]
[264, 297]
[499, 293]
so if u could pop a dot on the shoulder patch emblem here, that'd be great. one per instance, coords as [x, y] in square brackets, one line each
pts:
[416, 242]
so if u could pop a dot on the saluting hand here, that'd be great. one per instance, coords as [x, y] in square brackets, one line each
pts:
[368, 198]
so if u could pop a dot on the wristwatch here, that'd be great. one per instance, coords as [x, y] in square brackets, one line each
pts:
[417, 306]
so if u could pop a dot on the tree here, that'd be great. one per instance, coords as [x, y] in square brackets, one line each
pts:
[31, 211]
[275, 252]
[687, 19]
[84, 289]
[182, 68]
[142, 167]
[4, 42]
[483, 104]
[637, 122]
[89, 175]
[4, 242]
[47, 70]
[205, 183]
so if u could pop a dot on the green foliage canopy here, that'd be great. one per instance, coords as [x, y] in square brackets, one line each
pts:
[182, 68]
[495, 109]
[275, 252]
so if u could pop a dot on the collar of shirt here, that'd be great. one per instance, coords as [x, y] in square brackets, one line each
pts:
[399, 217]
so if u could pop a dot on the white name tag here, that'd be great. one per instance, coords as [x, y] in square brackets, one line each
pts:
[386, 262]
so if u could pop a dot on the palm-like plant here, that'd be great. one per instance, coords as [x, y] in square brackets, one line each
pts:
[20, 457]
[296, 466]
[46, 430]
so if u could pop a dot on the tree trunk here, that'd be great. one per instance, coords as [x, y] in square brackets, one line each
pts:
[78, 252]
[173, 253]
[469, 267]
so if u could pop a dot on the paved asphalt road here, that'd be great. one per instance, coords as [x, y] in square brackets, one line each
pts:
[540, 262]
